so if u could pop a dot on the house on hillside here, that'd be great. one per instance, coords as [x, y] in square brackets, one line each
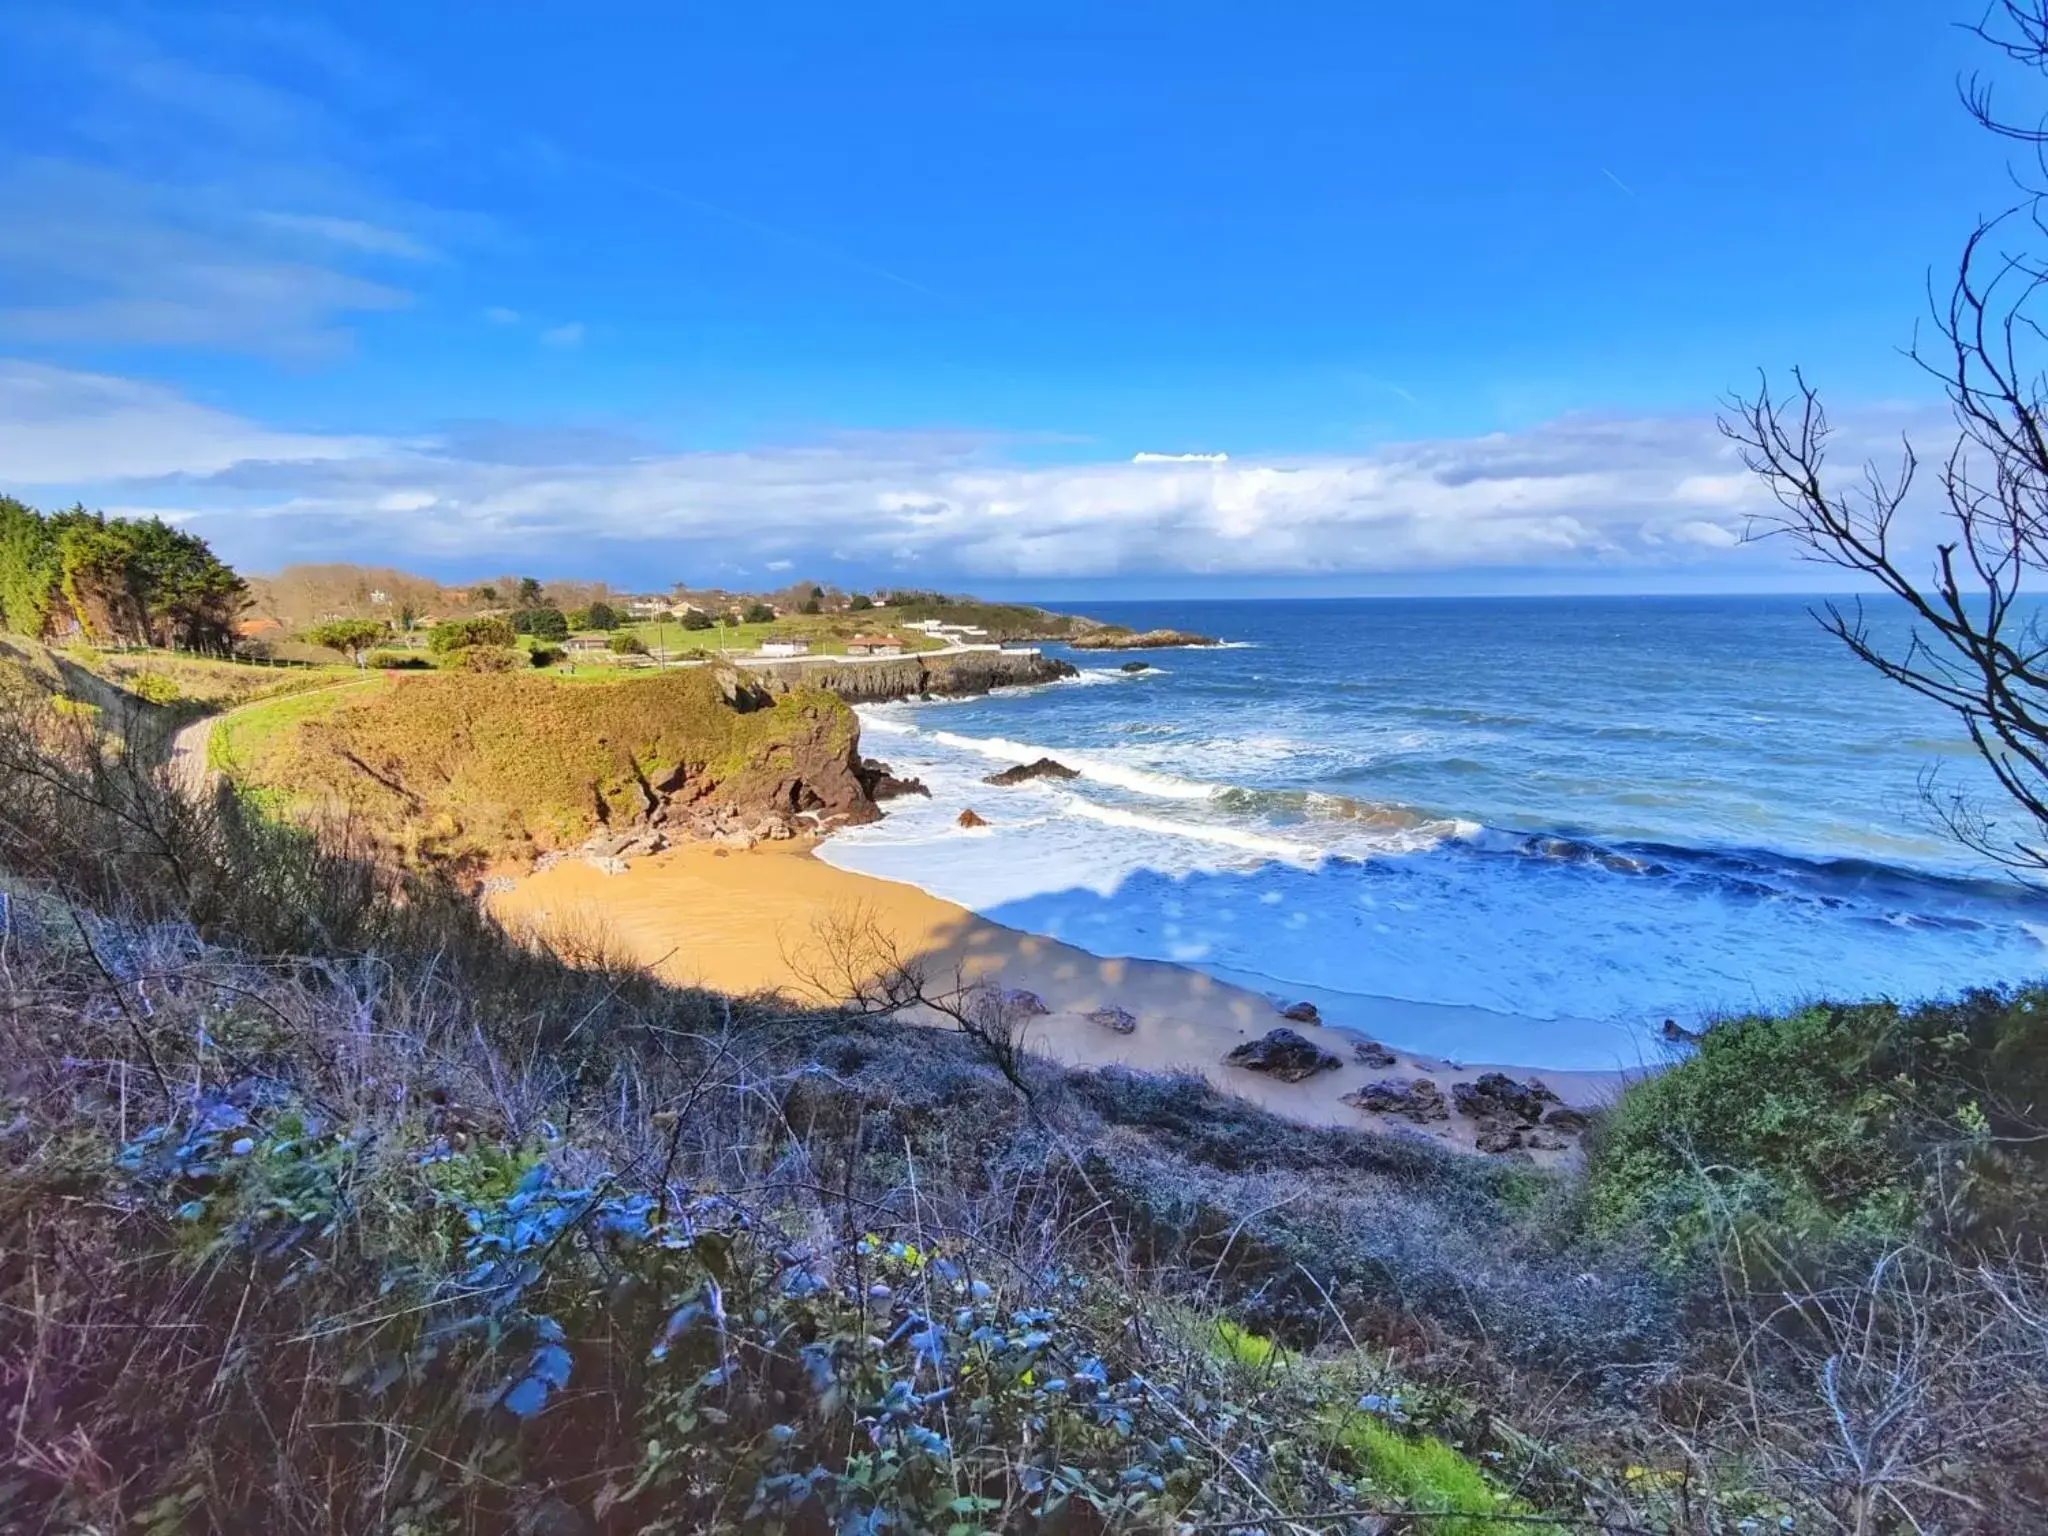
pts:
[874, 645]
[785, 645]
[648, 607]
[580, 645]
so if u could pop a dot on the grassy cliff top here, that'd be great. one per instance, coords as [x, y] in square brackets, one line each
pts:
[477, 765]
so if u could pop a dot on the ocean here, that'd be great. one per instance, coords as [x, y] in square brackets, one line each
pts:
[1565, 820]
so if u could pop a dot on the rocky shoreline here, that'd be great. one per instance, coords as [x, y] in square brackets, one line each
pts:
[1112, 639]
[885, 680]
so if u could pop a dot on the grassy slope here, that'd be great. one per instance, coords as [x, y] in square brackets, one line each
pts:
[243, 742]
[500, 764]
[200, 684]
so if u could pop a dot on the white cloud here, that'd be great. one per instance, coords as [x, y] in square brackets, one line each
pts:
[498, 314]
[186, 203]
[1180, 458]
[1578, 493]
[565, 336]
[59, 428]
[1707, 535]
[353, 234]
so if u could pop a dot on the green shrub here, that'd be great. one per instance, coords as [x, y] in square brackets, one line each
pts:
[397, 661]
[155, 688]
[460, 634]
[488, 658]
[541, 623]
[628, 645]
[696, 618]
[545, 655]
[1836, 1120]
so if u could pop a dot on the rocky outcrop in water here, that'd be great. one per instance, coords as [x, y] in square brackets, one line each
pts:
[882, 784]
[1023, 773]
[1151, 640]
[968, 818]
[883, 679]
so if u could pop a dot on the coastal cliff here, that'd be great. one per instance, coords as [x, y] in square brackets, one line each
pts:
[464, 769]
[953, 674]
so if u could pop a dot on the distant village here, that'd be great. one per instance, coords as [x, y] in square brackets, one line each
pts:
[290, 612]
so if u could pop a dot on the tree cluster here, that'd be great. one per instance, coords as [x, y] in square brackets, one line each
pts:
[116, 581]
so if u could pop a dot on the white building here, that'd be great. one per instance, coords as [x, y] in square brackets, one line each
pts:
[785, 647]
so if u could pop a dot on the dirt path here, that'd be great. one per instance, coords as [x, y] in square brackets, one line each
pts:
[188, 757]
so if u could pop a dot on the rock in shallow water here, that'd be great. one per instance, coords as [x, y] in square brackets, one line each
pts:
[1284, 1054]
[967, 818]
[1301, 1013]
[1044, 768]
[1412, 1098]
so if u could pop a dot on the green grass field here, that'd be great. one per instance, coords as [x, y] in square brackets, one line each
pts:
[241, 741]
[827, 632]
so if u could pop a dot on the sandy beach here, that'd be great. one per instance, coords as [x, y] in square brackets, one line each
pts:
[768, 918]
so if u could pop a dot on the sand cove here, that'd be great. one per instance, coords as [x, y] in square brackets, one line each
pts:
[763, 919]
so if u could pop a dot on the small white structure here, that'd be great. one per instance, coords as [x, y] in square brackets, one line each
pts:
[785, 647]
[874, 645]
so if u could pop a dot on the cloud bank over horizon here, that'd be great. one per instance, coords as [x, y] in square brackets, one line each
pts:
[1623, 498]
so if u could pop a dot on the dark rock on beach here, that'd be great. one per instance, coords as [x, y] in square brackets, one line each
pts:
[1412, 1098]
[1515, 1116]
[1374, 1055]
[1497, 1095]
[1120, 1020]
[1029, 1004]
[1301, 1013]
[1044, 768]
[1284, 1054]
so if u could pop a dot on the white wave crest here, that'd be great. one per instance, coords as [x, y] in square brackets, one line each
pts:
[1139, 781]
[1203, 832]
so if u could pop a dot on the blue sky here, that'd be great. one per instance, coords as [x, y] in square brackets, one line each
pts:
[898, 292]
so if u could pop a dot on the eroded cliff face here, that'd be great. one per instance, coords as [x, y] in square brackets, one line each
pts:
[913, 677]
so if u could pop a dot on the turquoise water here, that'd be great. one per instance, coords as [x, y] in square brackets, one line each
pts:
[1581, 815]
